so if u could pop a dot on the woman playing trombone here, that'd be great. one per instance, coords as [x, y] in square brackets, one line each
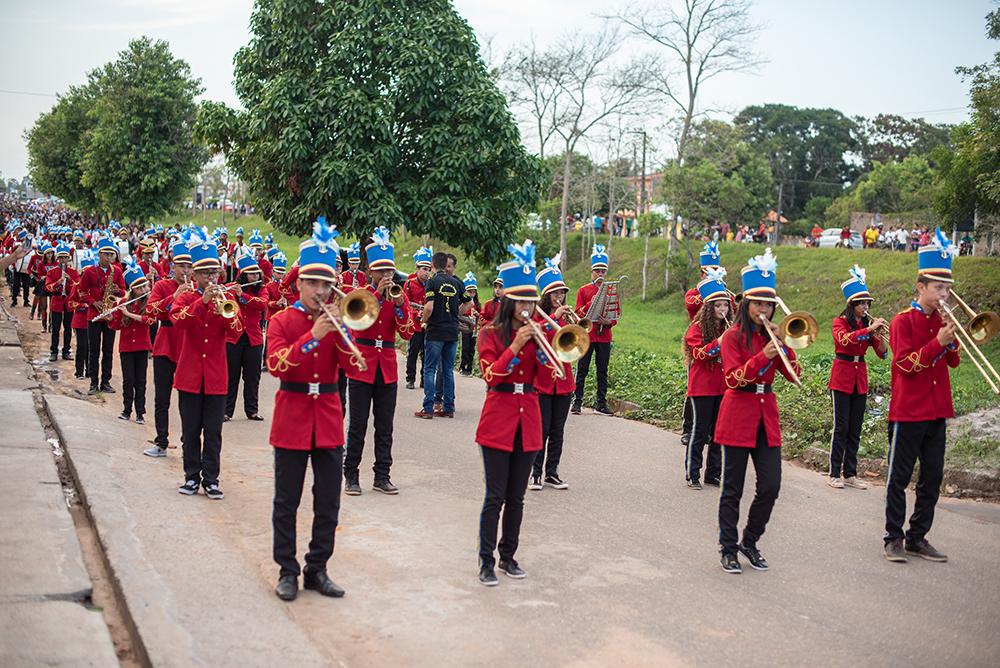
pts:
[510, 427]
[854, 332]
[748, 425]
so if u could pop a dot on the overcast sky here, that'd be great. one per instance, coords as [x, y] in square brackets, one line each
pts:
[859, 56]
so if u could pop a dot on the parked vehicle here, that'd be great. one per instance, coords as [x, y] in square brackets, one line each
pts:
[831, 239]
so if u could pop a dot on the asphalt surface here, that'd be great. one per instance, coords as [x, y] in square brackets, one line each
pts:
[623, 566]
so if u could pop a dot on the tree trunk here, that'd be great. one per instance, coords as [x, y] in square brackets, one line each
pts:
[565, 202]
[225, 196]
[670, 251]
[645, 262]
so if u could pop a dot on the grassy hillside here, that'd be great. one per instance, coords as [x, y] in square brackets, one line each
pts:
[647, 367]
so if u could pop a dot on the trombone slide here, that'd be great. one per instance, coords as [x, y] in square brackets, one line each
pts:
[781, 352]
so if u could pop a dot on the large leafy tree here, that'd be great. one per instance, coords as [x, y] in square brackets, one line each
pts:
[891, 138]
[375, 112]
[808, 150]
[56, 147]
[140, 157]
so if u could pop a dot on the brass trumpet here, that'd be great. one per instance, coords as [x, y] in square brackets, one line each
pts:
[225, 306]
[571, 342]
[395, 291]
[798, 329]
[584, 323]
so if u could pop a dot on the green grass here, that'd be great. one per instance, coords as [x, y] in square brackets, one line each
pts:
[647, 369]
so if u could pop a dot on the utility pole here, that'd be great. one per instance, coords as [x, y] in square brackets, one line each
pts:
[777, 220]
[642, 196]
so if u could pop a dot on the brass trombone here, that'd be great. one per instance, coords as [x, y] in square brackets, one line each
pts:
[798, 329]
[781, 351]
[983, 326]
[360, 308]
[985, 322]
[543, 344]
[571, 342]
[342, 329]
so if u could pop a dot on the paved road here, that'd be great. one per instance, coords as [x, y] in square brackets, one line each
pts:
[623, 567]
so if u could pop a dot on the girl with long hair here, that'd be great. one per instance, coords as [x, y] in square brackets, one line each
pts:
[134, 343]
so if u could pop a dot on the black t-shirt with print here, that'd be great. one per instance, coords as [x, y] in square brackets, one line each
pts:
[448, 293]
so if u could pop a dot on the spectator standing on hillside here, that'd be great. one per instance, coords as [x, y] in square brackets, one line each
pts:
[901, 238]
[871, 237]
[815, 233]
[914, 239]
[925, 237]
[845, 237]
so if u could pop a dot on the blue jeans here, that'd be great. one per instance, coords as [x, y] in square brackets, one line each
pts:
[439, 358]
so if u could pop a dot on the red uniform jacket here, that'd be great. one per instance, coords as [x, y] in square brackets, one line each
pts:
[585, 295]
[303, 421]
[847, 376]
[489, 312]
[57, 303]
[272, 293]
[289, 286]
[692, 302]
[504, 412]
[201, 344]
[921, 386]
[252, 307]
[266, 268]
[353, 279]
[740, 413]
[415, 295]
[705, 375]
[152, 270]
[161, 298]
[391, 319]
[92, 282]
[38, 268]
[546, 381]
[134, 333]
[79, 309]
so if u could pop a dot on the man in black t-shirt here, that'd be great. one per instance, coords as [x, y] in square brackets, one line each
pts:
[445, 299]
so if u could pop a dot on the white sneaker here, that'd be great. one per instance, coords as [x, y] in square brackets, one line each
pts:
[855, 483]
[836, 483]
[155, 451]
[535, 483]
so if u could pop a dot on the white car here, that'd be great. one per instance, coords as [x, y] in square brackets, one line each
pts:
[831, 239]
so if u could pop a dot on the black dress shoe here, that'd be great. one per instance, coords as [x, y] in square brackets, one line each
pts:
[93, 390]
[510, 567]
[106, 387]
[67, 356]
[255, 418]
[288, 587]
[53, 357]
[410, 386]
[321, 582]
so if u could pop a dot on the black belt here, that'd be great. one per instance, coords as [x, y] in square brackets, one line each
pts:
[513, 388]
[850, 358]
[309, 388]
[376, 344]
[756, 388]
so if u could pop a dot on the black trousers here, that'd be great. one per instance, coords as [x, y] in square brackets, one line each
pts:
[506, 476]
[415, 349]
[82, 352]
[848, 414]
[22, 285]
[243, 359]
[163, 387]
[153, 329]
[289, 476]
[555, 410]
[688, 419]
[201, 434]
[767, 466]
[63, 320]
[908, 443]
[134, 365]
[342, 391]
[379, 398]
[603, 353]
[100, 341]
[468, 352]
[704, 412]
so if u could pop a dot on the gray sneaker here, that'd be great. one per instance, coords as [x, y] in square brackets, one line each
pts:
[352, 488]
[155, 451]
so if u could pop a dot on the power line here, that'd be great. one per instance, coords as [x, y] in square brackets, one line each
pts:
[24, 92]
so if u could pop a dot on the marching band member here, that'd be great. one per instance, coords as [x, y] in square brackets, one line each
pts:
[134, 343]
[413, 288]
[151, 269]
[353, 277]
[105, 277]
[706, 379]
[747, 426]
[303, 353]
[923, 348]
[708, 259]
[276, 301]
[510, 427]
[490, 308]
[853, 333]
[200, 378]
[600, 336]
[166, 348]
[469, 334]
[44, 262]
[257, 249]
[554, 394]
[81, 321]
[245, 344]
[58, 282]
[374, 389]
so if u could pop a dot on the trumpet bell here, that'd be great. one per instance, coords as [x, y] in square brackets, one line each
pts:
[359, 309]
[570, 343]
[798, 329]
[395, 291]
[586, 324]
[983, 327]
[227, 308]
